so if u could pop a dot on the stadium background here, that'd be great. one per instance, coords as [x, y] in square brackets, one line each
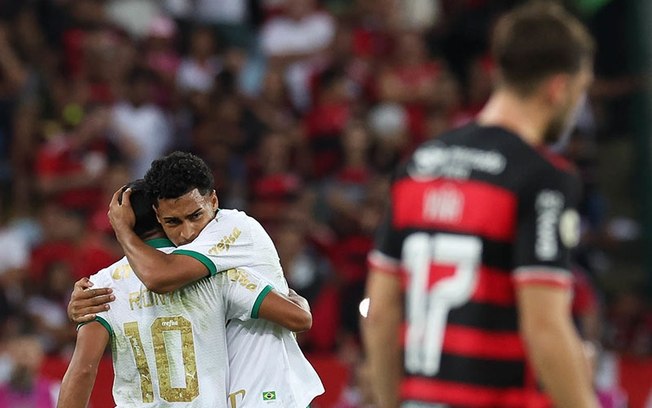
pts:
[301, 108]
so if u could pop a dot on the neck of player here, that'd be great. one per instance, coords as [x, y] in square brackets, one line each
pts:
[526, 117]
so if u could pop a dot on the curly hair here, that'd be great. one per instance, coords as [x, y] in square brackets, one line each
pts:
[177, 174]
[141, 203]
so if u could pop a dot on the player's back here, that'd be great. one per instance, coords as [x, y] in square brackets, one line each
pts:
[267, 365]
[168, 349]
[462, 211]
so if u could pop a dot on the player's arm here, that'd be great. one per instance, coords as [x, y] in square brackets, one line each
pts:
[547, 228]
[158, 271]
[79, 379]
[380, 335]
[248, 296]
[553, 344]
[380, 329]
[291, 312]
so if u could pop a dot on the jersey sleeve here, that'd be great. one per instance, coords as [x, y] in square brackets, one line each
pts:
[547, 229]
[220, 247]
[243, 293]
[388, 245]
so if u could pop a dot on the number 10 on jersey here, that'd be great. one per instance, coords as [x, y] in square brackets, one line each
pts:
[159, 327]
[428, 304]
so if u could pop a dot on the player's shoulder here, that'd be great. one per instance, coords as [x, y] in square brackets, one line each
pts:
[489, 153]
[542, 168]
[233, 219]
[107, 277]
[513, 147]
[228, 226]
[233, 216]
[461, 153]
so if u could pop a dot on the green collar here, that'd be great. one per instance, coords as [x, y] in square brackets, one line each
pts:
[159, 243]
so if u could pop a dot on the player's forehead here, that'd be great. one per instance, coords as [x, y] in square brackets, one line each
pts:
[183, 206]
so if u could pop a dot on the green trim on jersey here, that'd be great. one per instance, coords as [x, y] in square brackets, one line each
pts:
[101, 321]
[159, 243]
[259, 301]
[200, 257]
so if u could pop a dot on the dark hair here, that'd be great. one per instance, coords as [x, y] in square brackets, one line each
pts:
[537, 40]
[146, 221]
[177, 174]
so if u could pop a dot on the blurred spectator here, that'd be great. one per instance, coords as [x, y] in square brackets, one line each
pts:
[388, 124]
[85, 18]
[230, 18]
[17, 113]
[296, 41]
[586, 307]
[629, 324]
[70, 164]
[411, 78]
[347, 190]
[140, 128]
[117, 175]
[420, 15]
[326, 122]
[358, 68]
[378, 22]
[162, 58]
[273, 184]
[306, 270]
[25, 387]
[14, 260]
[197, 71]
[66, 240]
[46, 308]
[272, 107]
[357, 393]
[133, 16]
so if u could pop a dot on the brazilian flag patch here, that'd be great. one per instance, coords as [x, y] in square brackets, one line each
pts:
[269, 395]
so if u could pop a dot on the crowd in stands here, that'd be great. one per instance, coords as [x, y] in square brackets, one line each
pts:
[302, 108]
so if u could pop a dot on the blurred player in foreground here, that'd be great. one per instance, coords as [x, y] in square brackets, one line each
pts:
[167, 348]
[474, 252]
[267, 367]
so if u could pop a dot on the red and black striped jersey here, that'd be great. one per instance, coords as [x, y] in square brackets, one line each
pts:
[472, 214]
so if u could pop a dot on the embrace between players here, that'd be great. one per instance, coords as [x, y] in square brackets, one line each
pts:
[199, 298]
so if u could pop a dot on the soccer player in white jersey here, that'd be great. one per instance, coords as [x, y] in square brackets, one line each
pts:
[168, 350]
[266, 364]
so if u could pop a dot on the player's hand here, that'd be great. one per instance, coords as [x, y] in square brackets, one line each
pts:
[298, 300]
[85, 302]
[120, 212]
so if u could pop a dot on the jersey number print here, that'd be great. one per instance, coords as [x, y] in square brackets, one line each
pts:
[428, 303]
[159, 328]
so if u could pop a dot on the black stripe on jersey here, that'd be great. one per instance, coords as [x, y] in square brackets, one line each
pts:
[495, 254]
[482, 372]
[485, 316]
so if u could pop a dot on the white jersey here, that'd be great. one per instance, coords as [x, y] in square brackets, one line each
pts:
[267, 367]
[169, 350]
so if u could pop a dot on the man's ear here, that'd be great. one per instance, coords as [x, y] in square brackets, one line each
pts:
[215, 203]
[158, 218]
[556, 89]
